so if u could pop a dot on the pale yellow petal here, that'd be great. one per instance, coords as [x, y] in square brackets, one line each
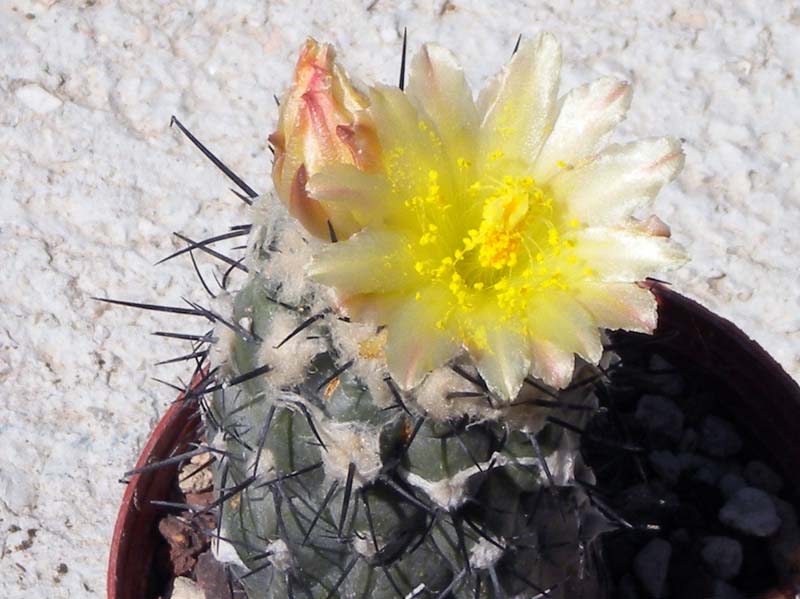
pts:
[586, 115]
[520, 108]
[345, 187]
[438, 87]
[560, 320]
[626, 255]
[411, 147]
[368, 262]
[551, 364]
[624, 306]
[618, 181]
[415, 345]
[504, 362]
[375, 308]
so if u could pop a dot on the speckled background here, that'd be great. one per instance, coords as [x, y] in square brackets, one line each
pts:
[94, 181]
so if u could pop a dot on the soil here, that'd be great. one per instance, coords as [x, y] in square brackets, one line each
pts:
[186, 536]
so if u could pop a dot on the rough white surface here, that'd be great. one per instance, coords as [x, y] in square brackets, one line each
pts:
[94, 181]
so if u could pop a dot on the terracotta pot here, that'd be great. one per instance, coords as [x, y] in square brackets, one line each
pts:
[131, 566]
[763, 398]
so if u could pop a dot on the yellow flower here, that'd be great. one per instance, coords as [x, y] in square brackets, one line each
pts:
[502, 226]
[319, 125]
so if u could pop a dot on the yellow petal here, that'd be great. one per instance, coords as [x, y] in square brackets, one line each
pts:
[504, 363]
[368, 262]
[625, 256]
[438, 87]
[347, 188]
[415, 345]
[586, 115]
[411, 147]
[560, 320]
[551, 364]
[624, 306]
[520, 107]
[623, 178]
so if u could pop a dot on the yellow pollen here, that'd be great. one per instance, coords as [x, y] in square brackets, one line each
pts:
[516, 246]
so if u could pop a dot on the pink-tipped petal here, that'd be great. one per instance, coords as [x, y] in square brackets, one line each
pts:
[587, 114]
[505, 362]
[415, 345]
[551, 364]
[566, 324]
[618, 181]
[626, 255]
[624, 306]
[438, 87]
[519, 110]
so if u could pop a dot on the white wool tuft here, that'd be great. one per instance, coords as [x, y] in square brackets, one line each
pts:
[485, 554]
[348, 339]
[431, 397]
[364, 545]
[290, 361]
[279, 555]
[350, 443]
[281, 250]
[448, 493]
[225, 552]
[222, 349]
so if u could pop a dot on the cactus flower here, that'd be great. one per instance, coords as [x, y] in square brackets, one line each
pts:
[318, 126]
[502, 226]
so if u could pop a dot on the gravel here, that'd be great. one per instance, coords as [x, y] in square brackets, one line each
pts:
[719, 438]
[651, 565]
[760, 475]
[751, 511]
[661, 417]
[723, 556]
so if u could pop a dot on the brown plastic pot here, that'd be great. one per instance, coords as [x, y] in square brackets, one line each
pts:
[763, 398]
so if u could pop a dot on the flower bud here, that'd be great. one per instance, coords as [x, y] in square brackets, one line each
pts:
[319, 125]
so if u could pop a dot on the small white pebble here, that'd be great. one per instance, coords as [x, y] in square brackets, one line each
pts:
[196, 476]
[185, 588]
[651, 565]
[750, 511]
[762, 476]
[719, 438]
[37, 98]
[723, 556]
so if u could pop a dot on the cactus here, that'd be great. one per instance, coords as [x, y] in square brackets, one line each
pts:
[362, 462]
[394, 393]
